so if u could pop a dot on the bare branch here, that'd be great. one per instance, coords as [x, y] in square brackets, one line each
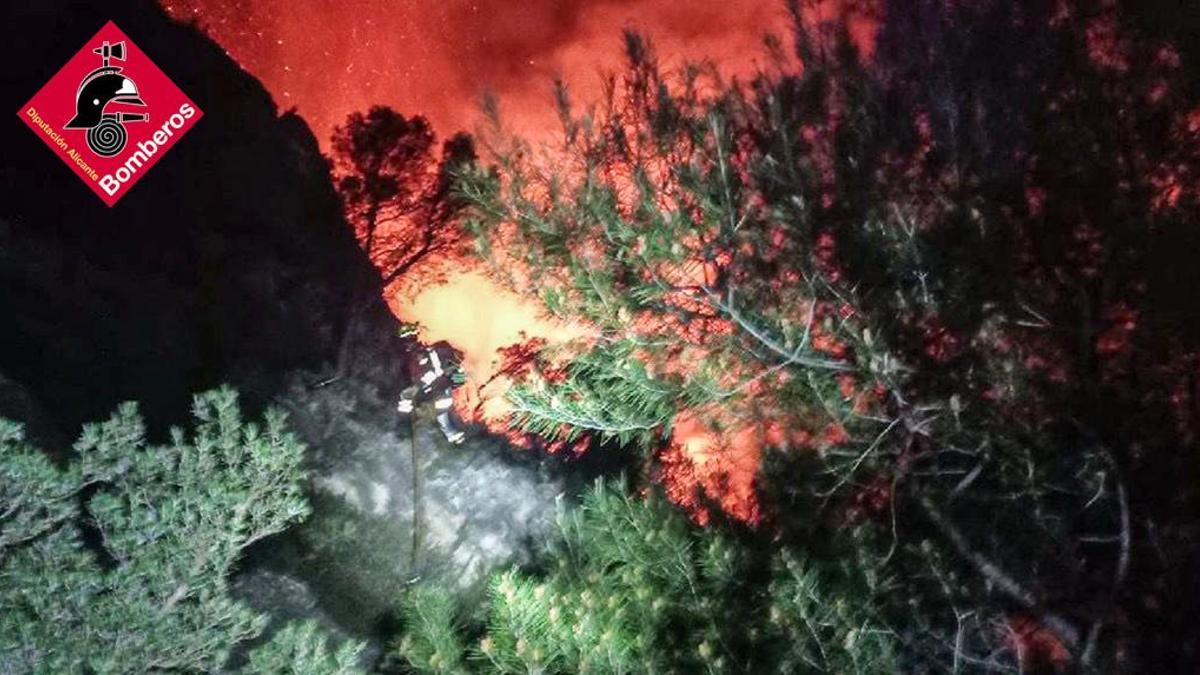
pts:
[998, 577]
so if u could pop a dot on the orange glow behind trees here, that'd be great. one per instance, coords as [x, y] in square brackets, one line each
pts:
[473, 313]
[439, 61]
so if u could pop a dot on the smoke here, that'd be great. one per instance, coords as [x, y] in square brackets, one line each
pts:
[438, 57]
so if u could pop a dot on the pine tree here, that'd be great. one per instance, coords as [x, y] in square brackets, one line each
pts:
[303, 649]
[922, 280]
[395, 191]
[633, 587]
[119, 561]
[398, 196]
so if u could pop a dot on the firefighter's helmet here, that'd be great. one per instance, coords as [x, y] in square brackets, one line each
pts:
[102, 87]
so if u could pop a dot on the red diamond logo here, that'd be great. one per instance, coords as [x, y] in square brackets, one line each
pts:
[110, 114]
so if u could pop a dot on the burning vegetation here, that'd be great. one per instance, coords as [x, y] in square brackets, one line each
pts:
[897, 297]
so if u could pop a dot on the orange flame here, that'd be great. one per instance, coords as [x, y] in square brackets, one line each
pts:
[471, 312]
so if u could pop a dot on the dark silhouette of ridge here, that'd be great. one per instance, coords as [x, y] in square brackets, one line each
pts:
[229, 261]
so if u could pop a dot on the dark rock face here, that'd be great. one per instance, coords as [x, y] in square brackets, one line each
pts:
[229, 262]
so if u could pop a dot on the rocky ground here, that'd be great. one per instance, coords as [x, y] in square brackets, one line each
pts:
[396, 505]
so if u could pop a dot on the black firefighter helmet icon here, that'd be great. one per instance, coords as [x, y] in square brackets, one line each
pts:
[104, 86]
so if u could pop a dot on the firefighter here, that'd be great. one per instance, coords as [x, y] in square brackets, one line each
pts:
[436, 375]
